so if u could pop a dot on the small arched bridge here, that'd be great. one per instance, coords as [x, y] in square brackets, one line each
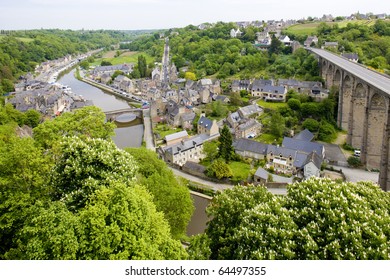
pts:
[112, 115]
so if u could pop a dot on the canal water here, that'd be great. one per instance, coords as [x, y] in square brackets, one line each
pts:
[130, 135]
[126, 135]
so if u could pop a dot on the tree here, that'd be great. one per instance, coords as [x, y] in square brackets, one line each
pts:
[32, 118]
[169, 195]
[219, 169]
[83, 166]
[235, 99]
[23, 172]
[311, 124]
[218, 109]
[121, 222]
[105, 63]
[210, 149]
[190, 76]
[225, 148]
[142, 66]
[317, 219]
[87, 122]
[276, 46]
[294, 104]
[84, 64]
[277, 124]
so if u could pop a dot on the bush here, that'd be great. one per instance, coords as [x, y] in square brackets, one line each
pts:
[311, 124]
[354, 161]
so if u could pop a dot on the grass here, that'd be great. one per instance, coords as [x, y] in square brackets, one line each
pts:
[22, 39]
[164, 130]
[271, 105]
[268, 138]
[311, 28]
[127, 57]
[240, 171]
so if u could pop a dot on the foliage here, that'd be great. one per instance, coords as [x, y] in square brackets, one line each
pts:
[87, 165]
[311, 125]
[169, 195]
[199, 248]
[190, 76]
[225, 147]
[87, 122]
[277, 125]
[218, 109]
[294, 104]
[326, 132]
[219, 169]
[210, 149]
[142, 66]
[317, 219]
[354, 161]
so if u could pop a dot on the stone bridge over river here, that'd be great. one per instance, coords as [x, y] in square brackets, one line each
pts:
[364, 98]
[113, 115]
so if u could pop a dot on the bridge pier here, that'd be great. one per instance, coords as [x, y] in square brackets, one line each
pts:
[364, 100]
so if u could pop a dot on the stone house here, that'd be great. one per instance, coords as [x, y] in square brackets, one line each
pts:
[285, 40]
[235, 33]
[123, 83]
[187, 119]
[249, 129]
[207, 126]
[310, 41]
[253, 110]
[271, 93]
[307, 87]
[351, 57]
[186, 150]
[239, 85]
[250, 149]
[105, 78]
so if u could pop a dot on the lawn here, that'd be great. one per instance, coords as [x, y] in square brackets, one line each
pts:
[164, 130]
[271, 105]
[240, 170]
[127, 57]
[268, 138]
[25, 40]
[311, 28]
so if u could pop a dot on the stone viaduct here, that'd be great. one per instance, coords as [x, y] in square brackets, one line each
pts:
[364, 99]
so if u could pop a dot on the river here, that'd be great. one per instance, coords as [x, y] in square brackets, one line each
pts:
[129, 135]
[126, 135]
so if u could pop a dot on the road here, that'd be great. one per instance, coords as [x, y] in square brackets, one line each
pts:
[218, 186]
[148, 131]
[374, 78]
[357, 175]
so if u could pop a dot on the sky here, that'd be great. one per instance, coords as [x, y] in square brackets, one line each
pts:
[164, 14]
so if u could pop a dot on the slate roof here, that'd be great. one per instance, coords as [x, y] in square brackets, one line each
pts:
[304, 135]
[303, 146]
[186, 144]
[285, 152]
[262, 173]
[243, 144]
[313, 157]
[258, 84]
[249, 110]
[176, 135]
[205, 122]
[351, 56]
[273, 89]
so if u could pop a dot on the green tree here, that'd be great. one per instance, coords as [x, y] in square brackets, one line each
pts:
[210, 149]
[87, 122]
[276, 46]
[235, 99]
[190, 76]
[225, 147]
[142, 66]
[121, 222]
[33, 118]
[85, 165]
[84, 64]
[294, 104]
[218, 109]
[169, 195]
[277, 124]
[311, 124]
[105, 63]
[317, 219]
[219, 169]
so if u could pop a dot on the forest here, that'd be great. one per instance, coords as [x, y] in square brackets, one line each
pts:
[22, 51]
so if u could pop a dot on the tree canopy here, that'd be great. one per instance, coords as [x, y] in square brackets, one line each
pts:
[317, 219]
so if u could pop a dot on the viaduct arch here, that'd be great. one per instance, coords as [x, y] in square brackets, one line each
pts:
[364, 98]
